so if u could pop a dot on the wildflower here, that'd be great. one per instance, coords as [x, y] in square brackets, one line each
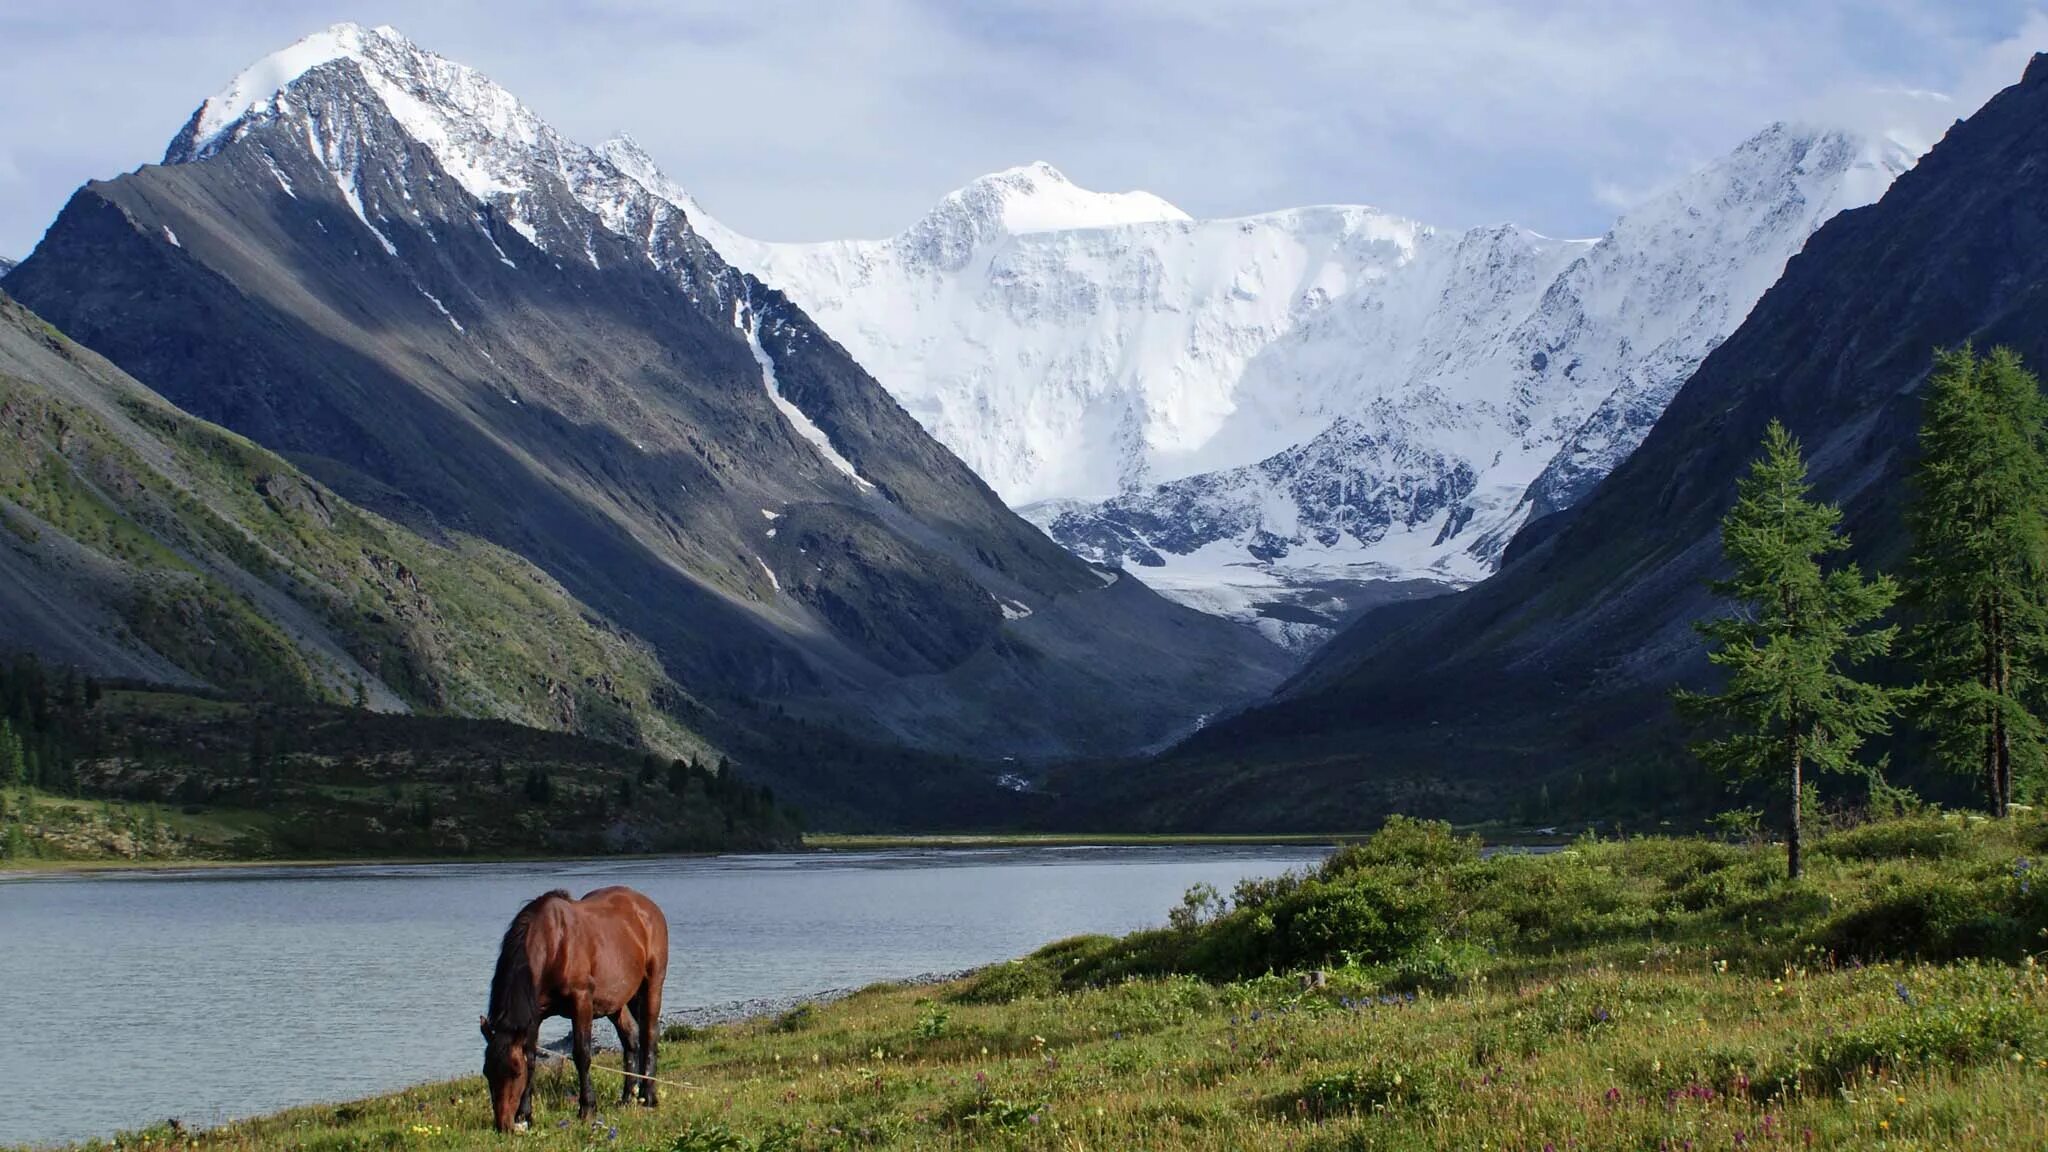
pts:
[1905, 993]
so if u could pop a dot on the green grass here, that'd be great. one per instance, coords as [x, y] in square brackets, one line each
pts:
[1636, 994]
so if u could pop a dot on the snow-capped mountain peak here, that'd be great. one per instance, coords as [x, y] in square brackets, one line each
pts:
[480, 133]
[259, 85]
[1038, 197]
[1265, 415]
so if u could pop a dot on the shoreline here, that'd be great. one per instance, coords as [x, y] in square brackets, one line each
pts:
[824, 843]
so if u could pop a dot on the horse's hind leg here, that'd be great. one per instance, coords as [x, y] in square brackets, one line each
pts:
[649, 1008]
[586, 1100]
[629, 1052]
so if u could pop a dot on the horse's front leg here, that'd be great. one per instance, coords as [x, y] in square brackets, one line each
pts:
[586, 1100]
[523, 1115]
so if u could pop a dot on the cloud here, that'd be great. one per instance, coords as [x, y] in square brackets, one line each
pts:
[795, 119]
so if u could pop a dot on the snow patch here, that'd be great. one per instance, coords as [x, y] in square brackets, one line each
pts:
[349, 192]
[773, 582]
[442, 309]
[748, 321]
[172, 237]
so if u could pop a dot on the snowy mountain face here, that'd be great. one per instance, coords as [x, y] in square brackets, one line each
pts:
[1285, 417]
[377, 261]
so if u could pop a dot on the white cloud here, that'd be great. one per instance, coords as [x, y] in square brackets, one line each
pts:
[801, 119]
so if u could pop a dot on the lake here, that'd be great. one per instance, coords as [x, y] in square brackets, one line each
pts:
[208, 995]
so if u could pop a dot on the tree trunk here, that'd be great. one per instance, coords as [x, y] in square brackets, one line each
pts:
[1994, 728]
[2001, 687]
[1792, 862]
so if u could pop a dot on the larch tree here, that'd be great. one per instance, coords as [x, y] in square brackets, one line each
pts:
[1978, 580]
[1791, 706]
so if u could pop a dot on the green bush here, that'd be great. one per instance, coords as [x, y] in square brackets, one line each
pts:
[1370, 918]
[797, 1019]
[1387, 1084]
[1024, 979]
[1404, 842]
[1922, 837]
[1926, 916]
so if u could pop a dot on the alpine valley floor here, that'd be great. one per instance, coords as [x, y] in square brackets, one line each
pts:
[1650, 993]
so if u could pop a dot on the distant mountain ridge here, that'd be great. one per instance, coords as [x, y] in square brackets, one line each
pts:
[1553, 678]
[1288, 416]
[380, 264]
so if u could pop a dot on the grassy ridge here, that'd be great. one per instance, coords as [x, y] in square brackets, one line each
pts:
[1643, 994]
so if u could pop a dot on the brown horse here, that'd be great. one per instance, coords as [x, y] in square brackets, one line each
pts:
[604, 955]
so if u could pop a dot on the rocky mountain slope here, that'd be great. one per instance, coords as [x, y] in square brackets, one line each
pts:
[1285, 417]
[1552, 679]
[380, 264]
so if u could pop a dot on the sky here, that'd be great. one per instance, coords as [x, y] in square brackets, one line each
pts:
[820, 119]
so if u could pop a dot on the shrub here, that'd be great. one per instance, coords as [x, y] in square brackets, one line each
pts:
[1255, 892]
[1924, 837]
[804, 1015]
[1561, 900]
[1404, 842]
[1199, 905]
[1370, 918]
[1024, 979]
[1918, 915]
[1437, 966]
[1387, 1084]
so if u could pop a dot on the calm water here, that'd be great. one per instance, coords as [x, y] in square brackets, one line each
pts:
[134, 998]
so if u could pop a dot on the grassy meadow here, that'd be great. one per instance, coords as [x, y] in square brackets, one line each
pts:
[1651, 993]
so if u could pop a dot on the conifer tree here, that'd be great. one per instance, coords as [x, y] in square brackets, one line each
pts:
[13, 762]
[1978, 580]
[1790, 700]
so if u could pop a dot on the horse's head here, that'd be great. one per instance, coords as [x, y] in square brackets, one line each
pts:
[507, 1064]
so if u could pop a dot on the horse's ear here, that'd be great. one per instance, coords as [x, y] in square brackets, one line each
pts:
[484, 1024]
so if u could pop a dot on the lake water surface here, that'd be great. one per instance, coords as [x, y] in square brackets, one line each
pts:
[210, 995]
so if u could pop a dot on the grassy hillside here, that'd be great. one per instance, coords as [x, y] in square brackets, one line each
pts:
[1641, 994]
[144, 541]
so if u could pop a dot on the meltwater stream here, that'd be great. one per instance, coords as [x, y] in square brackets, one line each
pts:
[205, 996]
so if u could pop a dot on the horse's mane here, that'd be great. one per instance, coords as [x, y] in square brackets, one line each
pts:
[515, 1005]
